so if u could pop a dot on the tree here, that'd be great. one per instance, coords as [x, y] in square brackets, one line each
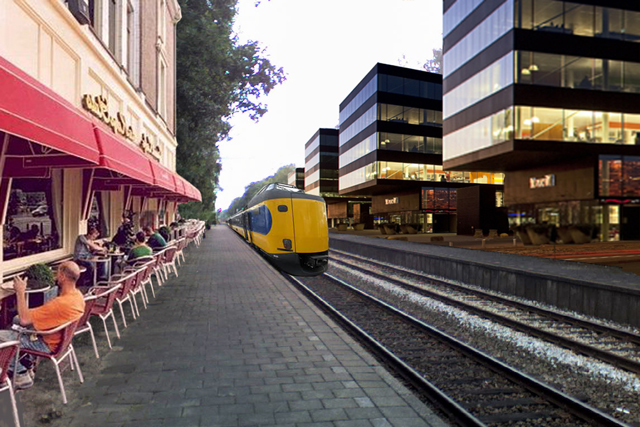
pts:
[216, 77]
[434, 65]
[252, 189]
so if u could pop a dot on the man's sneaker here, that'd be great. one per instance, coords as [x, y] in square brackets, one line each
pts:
[23, 381]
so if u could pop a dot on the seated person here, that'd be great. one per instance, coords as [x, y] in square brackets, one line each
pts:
[67, 307]
[86, 248]
[162, 230]
[124, 234]
[140, 248]
[155, 240]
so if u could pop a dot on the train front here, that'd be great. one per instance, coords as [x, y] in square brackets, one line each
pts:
[301, 234]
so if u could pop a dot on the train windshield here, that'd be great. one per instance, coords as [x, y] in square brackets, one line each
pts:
[290, 188]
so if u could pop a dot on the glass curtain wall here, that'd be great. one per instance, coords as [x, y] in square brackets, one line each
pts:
[546, 69]
[578, 19]
[555, 124]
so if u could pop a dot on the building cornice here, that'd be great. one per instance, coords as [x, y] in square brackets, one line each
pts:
[177, 16]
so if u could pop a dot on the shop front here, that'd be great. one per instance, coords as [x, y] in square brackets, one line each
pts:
[63, 168]
[427, 210]
[602, 194]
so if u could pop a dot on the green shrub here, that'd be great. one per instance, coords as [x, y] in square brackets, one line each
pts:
[40, 276]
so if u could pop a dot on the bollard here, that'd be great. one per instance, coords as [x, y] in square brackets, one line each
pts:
[483, 242]
[515, 243]
[451, 244]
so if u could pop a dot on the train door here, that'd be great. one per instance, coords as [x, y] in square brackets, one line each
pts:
[310, 224]
[282, 237]
[246, 225]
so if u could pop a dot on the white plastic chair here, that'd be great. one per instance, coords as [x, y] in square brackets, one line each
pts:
[65, 350]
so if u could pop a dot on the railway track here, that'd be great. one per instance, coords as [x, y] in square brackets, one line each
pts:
[472, 387]
[615, 346]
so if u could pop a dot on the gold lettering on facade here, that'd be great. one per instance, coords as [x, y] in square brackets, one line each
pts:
[99, 107]
[148, 147]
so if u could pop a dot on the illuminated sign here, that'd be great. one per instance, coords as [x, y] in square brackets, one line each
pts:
[99, 107]
[393, 201]
[544, 182]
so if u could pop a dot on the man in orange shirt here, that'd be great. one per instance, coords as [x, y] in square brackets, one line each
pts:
[66, 307]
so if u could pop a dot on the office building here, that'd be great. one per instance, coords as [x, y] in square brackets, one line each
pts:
[390, 148]
[321, 179]
[548, 92]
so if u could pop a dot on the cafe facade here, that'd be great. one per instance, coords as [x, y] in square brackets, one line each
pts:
[87, 123]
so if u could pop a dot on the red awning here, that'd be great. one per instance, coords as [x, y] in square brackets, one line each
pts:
[195, 193]
[32, 111]
[122, 157]
[163, 177]
[190, 191]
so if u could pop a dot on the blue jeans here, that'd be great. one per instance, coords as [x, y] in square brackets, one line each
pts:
[25, 342]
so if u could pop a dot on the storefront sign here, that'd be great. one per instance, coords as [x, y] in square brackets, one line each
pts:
[99, 107]
[393, 201]
[544, 182]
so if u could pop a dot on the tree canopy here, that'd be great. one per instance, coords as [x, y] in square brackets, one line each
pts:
[216, 77]
[434, 65]
[282, 175]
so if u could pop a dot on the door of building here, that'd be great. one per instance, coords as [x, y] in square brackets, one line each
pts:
[441, 223]
[630, 227]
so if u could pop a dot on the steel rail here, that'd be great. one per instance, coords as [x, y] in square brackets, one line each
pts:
[608, 357]
[558, 398]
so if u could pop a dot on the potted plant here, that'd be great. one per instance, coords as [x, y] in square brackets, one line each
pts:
[40, 276]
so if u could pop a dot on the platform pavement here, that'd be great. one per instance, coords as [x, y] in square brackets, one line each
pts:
[231, 343]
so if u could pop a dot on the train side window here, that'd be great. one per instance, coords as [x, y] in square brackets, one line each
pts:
[283, 208]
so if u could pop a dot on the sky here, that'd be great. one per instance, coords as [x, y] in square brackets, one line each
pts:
[325, 47]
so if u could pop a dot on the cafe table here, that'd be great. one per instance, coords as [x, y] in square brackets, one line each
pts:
[97, 260]
[114, 257]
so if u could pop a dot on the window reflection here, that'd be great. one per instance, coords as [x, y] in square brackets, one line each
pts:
[33, 222]
[577, 125]
[578, 72]
[409, 115]
[579, 19]
[99, 216]
[439, 198]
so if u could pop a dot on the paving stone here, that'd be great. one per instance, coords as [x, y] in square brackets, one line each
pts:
[329, 415]
[252, 351]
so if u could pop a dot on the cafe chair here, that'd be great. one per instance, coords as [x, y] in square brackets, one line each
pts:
[169, 261]
[181, 244]
[65, 350]
[148, 263]
[157, 267]
[138, 287]
[8, 350]
[103, 307]
[83, 323]
[123, 294]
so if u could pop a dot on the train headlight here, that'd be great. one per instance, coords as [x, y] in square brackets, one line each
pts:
[287, 244]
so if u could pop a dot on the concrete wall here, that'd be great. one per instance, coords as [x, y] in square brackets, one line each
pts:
[619, 303]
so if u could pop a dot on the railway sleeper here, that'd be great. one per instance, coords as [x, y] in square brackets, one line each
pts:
[504, 403]
[516, 416]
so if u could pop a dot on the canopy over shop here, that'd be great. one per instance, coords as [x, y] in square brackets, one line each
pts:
[61, 166]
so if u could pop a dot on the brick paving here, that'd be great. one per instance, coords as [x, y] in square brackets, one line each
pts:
[230, 343]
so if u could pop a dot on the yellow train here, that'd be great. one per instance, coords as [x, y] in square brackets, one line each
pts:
[288, 227]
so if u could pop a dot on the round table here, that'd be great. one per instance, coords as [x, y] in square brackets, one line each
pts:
[114, 257]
